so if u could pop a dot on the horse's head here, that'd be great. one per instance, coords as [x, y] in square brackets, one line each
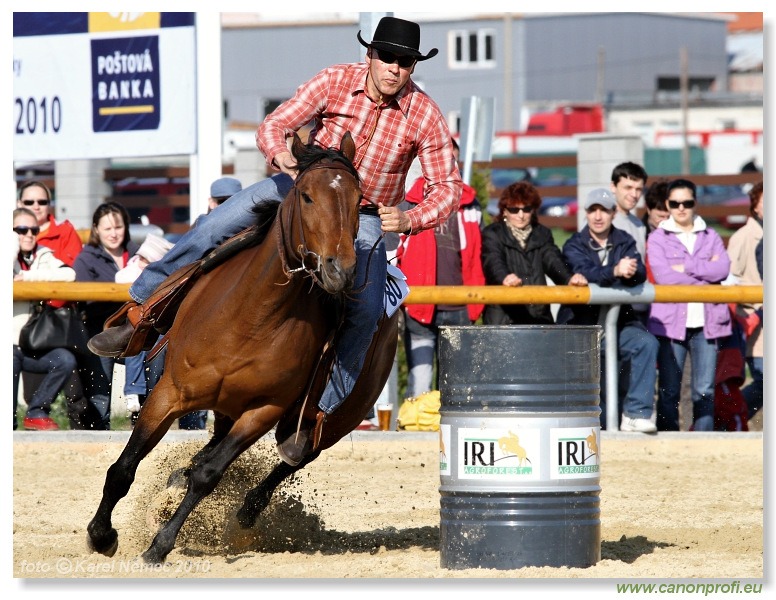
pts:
[323, 221]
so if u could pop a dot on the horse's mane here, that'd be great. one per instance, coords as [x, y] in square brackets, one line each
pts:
[309, 155]
[265, 213]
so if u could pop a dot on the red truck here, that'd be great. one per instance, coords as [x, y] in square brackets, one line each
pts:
[567, 120]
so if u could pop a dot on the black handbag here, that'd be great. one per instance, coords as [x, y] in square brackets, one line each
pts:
[49, 327]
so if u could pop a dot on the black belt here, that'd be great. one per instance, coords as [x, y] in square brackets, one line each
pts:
[368, 209]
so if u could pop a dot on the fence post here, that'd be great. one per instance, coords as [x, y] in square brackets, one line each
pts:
[612, 372]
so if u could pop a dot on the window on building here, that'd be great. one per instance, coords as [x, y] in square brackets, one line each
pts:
[270, 104]
[472, 49]
[694, 84]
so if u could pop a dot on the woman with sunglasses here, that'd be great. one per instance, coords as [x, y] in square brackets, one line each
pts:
[517, 250]
[684, 251]
[37, 263]
[62, 237]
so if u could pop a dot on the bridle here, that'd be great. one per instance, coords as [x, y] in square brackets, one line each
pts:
[302, 252]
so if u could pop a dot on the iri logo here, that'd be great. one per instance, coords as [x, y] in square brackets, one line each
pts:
[575, 453]
[498, 454]
[444, 443]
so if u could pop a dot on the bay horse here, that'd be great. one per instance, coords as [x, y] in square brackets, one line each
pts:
[251, 340]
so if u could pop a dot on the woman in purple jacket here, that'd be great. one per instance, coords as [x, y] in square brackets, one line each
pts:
[684, 251]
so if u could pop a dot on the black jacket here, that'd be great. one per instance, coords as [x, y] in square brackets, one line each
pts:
[94, 263]
[502, 255]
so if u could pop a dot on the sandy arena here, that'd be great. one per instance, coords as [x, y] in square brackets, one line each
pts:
[683, 506]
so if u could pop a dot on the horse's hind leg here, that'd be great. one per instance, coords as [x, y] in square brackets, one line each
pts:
[206, 474]
[101, 537]
[221, 427]
[257, 499]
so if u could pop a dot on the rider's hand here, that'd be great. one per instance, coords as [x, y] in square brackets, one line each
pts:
[285, 163]
[393, 219]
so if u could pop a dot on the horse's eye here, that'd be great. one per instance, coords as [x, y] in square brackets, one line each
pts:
[307, 198]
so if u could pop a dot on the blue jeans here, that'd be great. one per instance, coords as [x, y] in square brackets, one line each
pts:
[671, 357]
[420, 345]
[135, 374]
[753, 393]
[212, 230]
[57, 365]
[637, 356]
[363, 309]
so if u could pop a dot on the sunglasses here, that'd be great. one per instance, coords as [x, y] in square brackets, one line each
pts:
[513, 210]
[38, 202]
[683, 203]
[405, 62]
[23, 230]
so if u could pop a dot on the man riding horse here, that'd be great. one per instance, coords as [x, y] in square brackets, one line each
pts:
[392, 121]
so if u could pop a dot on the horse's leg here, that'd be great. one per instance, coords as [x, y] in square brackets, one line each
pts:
[221, 427]
[257, 499]
[154, 421]
[206, 474]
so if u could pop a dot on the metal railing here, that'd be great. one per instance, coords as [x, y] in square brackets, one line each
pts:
[610, 298]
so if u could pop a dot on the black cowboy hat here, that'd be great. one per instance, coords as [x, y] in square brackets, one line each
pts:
[398, 36]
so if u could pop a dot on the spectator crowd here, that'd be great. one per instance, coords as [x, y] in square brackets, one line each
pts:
[670, 244]
[47, 250]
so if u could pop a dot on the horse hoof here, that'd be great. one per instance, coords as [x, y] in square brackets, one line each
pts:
[238, 537]
[245, 518]
[178, 478]
[107, 547]
[152, 557]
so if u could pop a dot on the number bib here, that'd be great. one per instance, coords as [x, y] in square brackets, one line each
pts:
[396, 290]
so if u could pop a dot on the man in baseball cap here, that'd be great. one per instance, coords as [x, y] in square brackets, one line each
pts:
[608, 257]
[221, 190]
[600, 197]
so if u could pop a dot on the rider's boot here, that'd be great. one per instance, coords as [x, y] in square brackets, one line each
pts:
[305, 440]
[114, 341]
[133, 327]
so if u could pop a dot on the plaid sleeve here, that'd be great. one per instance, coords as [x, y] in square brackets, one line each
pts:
[443, 181]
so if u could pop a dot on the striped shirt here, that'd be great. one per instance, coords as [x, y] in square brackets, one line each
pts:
[388, 137]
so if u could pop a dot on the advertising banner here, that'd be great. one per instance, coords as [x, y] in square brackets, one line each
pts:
[103, 85]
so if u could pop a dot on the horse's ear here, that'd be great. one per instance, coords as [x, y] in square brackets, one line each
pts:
[297, 146]
[348, 146]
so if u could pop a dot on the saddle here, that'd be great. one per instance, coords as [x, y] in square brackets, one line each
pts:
[157, 314]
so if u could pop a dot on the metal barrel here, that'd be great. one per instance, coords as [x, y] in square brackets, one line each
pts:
[519, 446]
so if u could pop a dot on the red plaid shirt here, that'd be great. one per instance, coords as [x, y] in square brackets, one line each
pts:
[388, 137]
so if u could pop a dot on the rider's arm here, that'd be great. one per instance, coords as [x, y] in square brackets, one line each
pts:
[307, 103]
[443, 181]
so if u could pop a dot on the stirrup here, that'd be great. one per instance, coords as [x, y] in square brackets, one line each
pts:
[142, 338]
